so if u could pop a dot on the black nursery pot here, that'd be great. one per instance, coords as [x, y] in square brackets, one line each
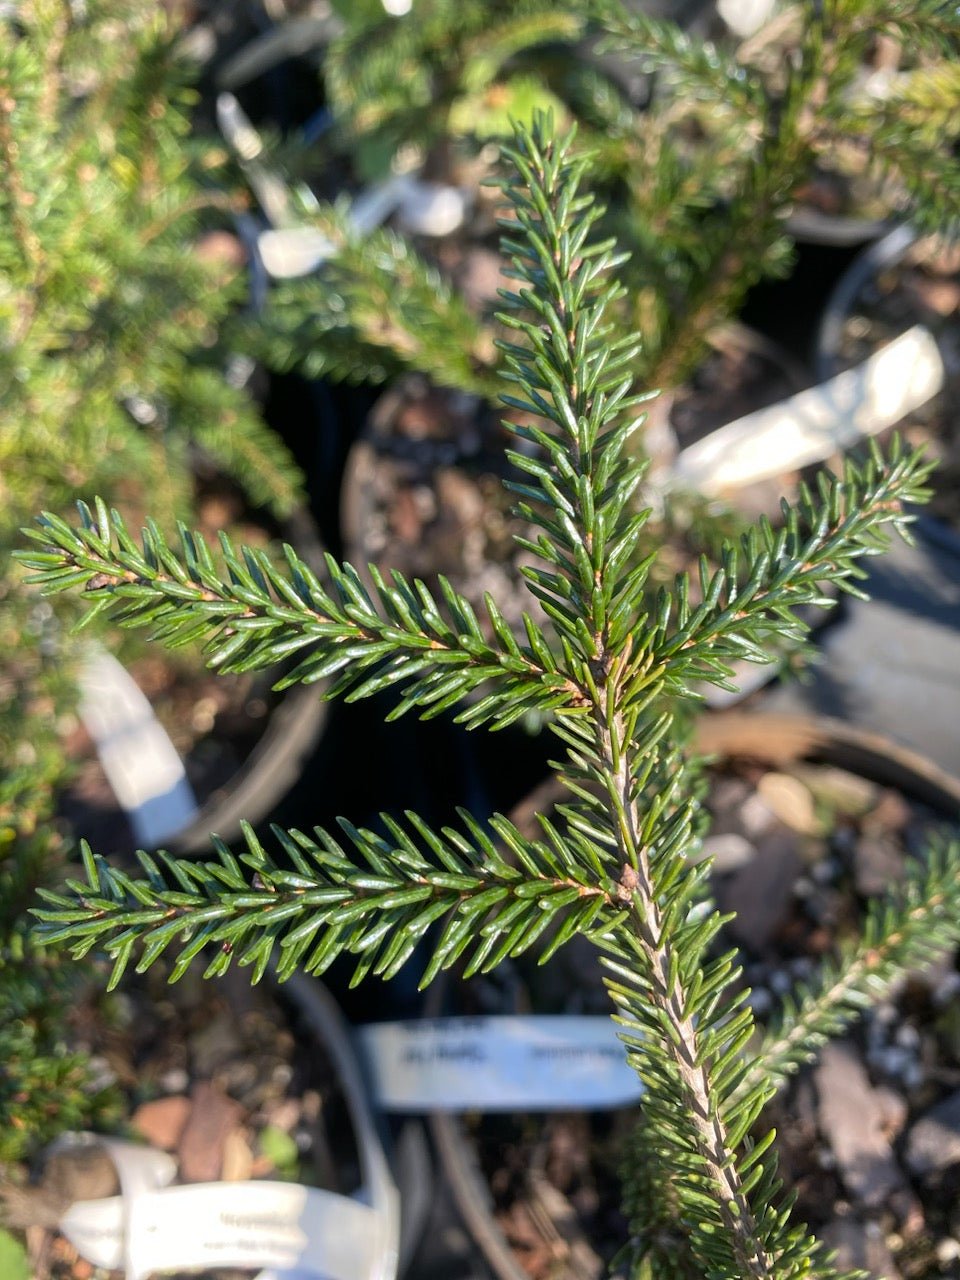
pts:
[578, 1224]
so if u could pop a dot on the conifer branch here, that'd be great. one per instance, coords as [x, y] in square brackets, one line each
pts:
[18, 198]
[105, 300]
[929, 177]
[495, 893]
[763, 136]
[617, 870]
[257, 616]
[929, 25]
[819, 541]
[394, 84]
[912, 926]
[227, 427]
[699, 67]
[657, 1235]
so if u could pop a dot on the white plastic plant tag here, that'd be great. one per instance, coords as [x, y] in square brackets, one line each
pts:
[296, 1232]
[254, 1224]
[230, 1224]
[744, 17]
[292, 251]
[377, 202]
[813, 424]
[140, 762]
[504, 1063]
[97, 1228]
[432, 208]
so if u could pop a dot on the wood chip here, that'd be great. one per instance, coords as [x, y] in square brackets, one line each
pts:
[838, 790]
[81, 1172]
[213, 1117]
[237, 1158]
[891, 812]
[162, 1122]
[761, 890]
[878, 863]
[563, 1231]
[791, 801]
[853, 1119]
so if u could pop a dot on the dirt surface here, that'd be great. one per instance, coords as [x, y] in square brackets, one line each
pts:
[423, 493]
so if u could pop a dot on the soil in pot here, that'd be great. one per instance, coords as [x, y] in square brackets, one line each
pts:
[423, 493]
[808, 825]
[821, 833]
[541, 1193]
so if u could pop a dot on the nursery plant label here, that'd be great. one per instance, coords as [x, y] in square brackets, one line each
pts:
[504, 1063]
[141, 763]
[249, 1224]
[294, 1232]
[815, 423]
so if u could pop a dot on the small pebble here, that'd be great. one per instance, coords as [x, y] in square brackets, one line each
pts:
[948, 985]
[176, 1080]
[780, 981]
[282, 1074]
[728, 851]
[907, 1036]
[122, 1010]
[756, 815]
[161, 1122]
[760, 1001]
[892, 1061]
[791, 801]
[432, 209]
[914, 1075]
[100, 1073]
[825, 871]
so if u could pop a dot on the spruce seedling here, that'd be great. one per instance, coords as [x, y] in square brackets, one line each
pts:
[613, 866]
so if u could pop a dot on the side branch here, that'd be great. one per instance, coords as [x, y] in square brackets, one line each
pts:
[823, 541]
[258, 616]
[376, 901]
[912, 927]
